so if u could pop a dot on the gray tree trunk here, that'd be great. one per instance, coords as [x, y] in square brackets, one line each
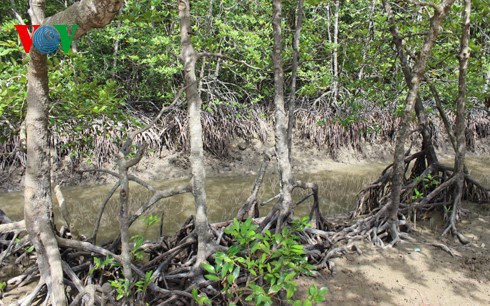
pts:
[280, 116]
[292, 98]
[335, 55]
[38, 210]
[464, 55]
[440, 13]
[189, 58]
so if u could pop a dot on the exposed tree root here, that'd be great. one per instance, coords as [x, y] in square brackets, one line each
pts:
[172, 260]
[426, 186]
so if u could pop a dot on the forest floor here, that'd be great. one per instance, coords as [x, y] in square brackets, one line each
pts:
[407, 274]
[416, 273]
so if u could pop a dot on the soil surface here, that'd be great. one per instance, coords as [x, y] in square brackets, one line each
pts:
[416, 273]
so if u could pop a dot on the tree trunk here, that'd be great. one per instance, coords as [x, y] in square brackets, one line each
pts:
[407, 73]
[280, 118]
[335, 55]
[189, 58]
[292, 98]
[464, 55]
[418, 72]
[38, 210]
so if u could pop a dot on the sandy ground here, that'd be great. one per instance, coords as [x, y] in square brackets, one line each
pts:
[416, 273]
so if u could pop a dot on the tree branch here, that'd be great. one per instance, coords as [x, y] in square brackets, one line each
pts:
[423, 3]
[87, 14]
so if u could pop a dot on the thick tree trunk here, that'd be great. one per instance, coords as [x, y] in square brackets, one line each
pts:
[37, 192]
[188, 58]
[38, 211]
[398, 165]
[292, 98]
[464, 55]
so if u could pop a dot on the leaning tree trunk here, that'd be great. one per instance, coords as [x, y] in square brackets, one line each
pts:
[464, 55]
[398, 177]
[189, 58]
[38, 212]
[427, 146]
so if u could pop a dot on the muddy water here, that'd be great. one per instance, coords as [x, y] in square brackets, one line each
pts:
[338, 189]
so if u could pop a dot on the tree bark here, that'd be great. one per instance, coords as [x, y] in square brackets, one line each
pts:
[335, 55]
[464, 55]
[38, 210]
[280, 118]
[398, 165]
[189, 58]
[292, 98]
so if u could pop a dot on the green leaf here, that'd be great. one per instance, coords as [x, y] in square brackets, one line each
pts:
[208, 267]
[212, 277]
[289, 276]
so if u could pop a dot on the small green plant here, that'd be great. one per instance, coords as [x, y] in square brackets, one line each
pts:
[122, 286]
[315, 295]
[143, 284]
[151, 220]
[448, 210]
[138, 240]
[28, 249]
[135, 251]
[200, 299]
[428, 182]
[417, 194]
[102, 265]
[3, 285]
[431, 181]
[261, 266]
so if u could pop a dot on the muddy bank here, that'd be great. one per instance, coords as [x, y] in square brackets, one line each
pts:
[244, 158]
[232, 143]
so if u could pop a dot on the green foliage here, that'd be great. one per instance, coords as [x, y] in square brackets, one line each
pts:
[142, 284]
[138, 242]
[3, 285]
[132, 64]
[151, 220]
[108, 267]
[268, 263]
[122, 287]
[107, 263]
[200, 299]
[428, 182]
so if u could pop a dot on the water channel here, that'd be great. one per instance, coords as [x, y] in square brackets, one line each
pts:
[338, 189]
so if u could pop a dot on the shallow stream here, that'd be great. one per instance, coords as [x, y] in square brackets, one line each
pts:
[338, 189]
